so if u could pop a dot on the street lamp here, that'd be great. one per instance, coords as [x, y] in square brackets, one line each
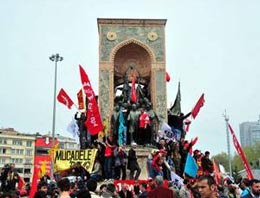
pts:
[228, 144]
[55, 58]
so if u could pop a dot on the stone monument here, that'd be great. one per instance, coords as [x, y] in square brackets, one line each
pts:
[127, 45]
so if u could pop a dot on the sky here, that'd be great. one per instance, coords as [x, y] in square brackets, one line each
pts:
[212, 47]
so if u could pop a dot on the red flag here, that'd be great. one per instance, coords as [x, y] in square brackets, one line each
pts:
[197, 107]
[80, 99]
[34, 183]
[167, 77]
[93, 122]
[241, 153]
[133, 95]
[216, 173]
[193, 142]
[21, 183]
[64, 98]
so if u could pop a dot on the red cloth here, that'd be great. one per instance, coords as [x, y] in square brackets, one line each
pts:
[161, 192]
[93, 122]
[21, 183]
[34, 183]
[64, 98]
[216, 173]
[197, 107]
[108, 151]
[133, 95]
[144, 120]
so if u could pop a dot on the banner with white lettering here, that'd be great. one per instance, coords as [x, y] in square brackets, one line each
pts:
[66, 159]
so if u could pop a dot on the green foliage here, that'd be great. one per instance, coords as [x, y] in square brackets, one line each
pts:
[221, 158]
[252, 155]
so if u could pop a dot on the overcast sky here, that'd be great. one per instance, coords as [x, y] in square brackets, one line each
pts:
[212, 47]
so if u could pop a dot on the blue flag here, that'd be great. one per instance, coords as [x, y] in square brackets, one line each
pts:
[122, 129]
[191, 167]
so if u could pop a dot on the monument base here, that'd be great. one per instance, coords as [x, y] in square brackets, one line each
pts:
[142, 156]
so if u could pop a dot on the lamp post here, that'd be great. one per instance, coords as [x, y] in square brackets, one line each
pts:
[55, 58]
[228, 143]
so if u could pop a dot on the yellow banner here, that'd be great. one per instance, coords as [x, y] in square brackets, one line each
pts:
[66, 159]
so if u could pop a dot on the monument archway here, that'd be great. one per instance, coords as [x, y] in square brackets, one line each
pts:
[127, 46]
[131, 57]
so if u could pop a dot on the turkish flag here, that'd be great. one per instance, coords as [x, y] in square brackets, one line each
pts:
[133, 95]
[64, 98]
[93, 122]
[197, 107]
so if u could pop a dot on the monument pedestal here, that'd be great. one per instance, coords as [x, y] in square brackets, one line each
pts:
[142, 155]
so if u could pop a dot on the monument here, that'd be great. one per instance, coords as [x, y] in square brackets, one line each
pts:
[128, 46]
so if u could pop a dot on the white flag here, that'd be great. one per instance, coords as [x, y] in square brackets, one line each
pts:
[73, 128]
[176, 179]
[166, 131]
[221, 168]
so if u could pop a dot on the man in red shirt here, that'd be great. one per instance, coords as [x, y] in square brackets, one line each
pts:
[144, 127]
[161, 191]
[158, 162]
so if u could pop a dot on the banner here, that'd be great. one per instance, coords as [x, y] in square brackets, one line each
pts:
[93, 122]
[64, 98]
[66, 159]
[80, 100]
[178, 181]
[241, 153]
[42, 160]
[132, 183]
[166, 132]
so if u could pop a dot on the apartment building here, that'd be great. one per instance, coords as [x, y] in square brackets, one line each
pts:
[17, 148]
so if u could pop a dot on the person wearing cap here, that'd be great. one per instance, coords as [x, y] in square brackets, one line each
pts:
[133, 165]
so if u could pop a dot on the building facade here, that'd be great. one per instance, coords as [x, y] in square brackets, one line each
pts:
[19, 149]
[67, 143]
[249, 133]
[23, 149]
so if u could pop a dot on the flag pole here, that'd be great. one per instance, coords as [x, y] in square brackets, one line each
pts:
[228, 143]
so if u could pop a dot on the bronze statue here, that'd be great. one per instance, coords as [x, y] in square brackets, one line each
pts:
[133, 119]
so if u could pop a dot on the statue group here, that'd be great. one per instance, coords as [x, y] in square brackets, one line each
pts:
[139, 119]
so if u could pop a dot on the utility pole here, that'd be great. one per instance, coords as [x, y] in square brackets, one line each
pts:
[228, 143]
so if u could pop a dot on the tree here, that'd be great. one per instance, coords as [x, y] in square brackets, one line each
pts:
[222, 159]
[252, 154]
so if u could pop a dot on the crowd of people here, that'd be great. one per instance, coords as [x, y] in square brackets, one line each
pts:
[202, 187]
[117, 159]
